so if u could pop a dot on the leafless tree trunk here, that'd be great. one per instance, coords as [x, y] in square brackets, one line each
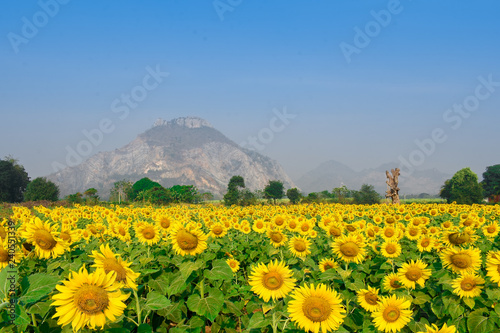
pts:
[392, 186]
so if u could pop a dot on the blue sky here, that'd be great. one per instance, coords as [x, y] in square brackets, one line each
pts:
[239, 65]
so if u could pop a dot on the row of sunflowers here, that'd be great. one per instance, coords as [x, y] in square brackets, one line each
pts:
[192, 268]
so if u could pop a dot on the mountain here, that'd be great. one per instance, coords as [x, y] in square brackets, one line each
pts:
[331, 174]
[183, 151]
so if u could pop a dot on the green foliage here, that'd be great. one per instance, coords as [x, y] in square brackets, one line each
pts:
[274, 190]
[247, 198]
[157, 196]
[463, 188]
[91, 195]
[341, 193]
[491, 181]
[13, 180]
[294, 195]
[75, 198]
[366, 195]
[232, 196]
[121, 191]
[184, 193]
[41, 189]
[143, 184]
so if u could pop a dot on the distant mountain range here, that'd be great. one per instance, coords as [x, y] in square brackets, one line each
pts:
[331, 174]
[183, 151]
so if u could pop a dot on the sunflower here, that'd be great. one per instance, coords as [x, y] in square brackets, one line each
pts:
[349, 248]
[68, 235]
[88, 299]
[279, 221]
[392, 314]
[259, 226]
[326, 264]
[217, 230]
[9, 255]
[413, 232]
[316, 308]
[462, 260]
[414, 272]
[276, 237]
[493, 267]
[164, 222]
[444, 329]
[491, 230]
[147, 233]
[455, 237]
[391, 249]
[368, 298]
[334, 230]
[274, 280]
[45, 238]
[233, 264]
[111, 262]
[467, 285]
[305, 227]
[299, 246]
[426, 244]
[390, 232]
[392, 282]
[188, 241]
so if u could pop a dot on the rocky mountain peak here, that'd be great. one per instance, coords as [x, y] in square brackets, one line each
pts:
[189, 122]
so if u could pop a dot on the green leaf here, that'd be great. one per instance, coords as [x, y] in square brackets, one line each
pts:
[209, 306]
[258, 321]
[156, 301]
[220, 271]
[177, 285]
[421, 298]
[456, 311]
[40, 308]
[186, 268]
[160, 284]
[144, 328]
[4, 283]
[469, 302]
[478, 323]
[493, 294]
[40, 285]
[22, 320]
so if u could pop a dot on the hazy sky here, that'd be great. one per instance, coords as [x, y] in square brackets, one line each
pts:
[360, 82]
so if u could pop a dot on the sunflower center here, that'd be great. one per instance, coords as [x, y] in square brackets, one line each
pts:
[304, 227]
[461, 260]
[467, 285]
[299, 245]
[276, 237]
[148, 233]
[44, 239]
[334, 231]
[413, 273]
[371, 298]
[292, 225]
[111, 264]
[389, 232]
[390, 248]
[458, 238]
[259, 225]
[328, 266]
[3, 233]
[349, 249]
[65, 236]
[395, 283]
[425, 242]
[391, 314]
[4, 255]
[371, 233]
[91, 299]
[165, 223]
[279, 221]
[121, 231]
[390, 220]
[28, 247]
[350, 228]
[272, 281]
[413, 232]
[316, 309]
[217, 230]
[232, 264]
[491, 229]
[186, 240]
[498, 269]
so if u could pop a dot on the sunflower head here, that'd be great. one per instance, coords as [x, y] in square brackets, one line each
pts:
[274, 280]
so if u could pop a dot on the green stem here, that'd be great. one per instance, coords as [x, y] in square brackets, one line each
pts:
[137, 307]
[33, 319]
[202, 288]
[275, 321]
[3, 305]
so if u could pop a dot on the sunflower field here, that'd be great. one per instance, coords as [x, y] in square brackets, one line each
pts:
[206, 268]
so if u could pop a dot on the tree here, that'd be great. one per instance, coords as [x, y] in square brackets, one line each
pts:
[143, 184]
[158, 195]
[75, 198]
[233, 195]
[91, 195]
[274, 190]
[13, 180]
[294, 195]
[341, 193]
[247, 198]
[41, 189]
[366, 195]
[184, 193]
[121, 191]
[491, 181]
[463, 188]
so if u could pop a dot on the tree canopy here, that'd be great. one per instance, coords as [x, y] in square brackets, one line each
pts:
[491, 181]
[233, 194]
[41, 189]
[274, 190]
[294, 195]
[141, 185]
[13, 180]
[463, 188]
[366, 195]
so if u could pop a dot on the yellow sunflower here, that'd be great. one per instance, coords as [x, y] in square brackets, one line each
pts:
[86, 300]
[274, 280]
[111, 262]
[188, 241]
[334, 230]
[462, 260]
[368, 298]
[233, 264]
[491, 230]
[391, 249]
[299, 246]
[349, 248]
[467, 285]
[326, 264]
[45, 238]
[259, 226]
[493, 266]
[414, 272]
[392, 314]
[147, 233]
[435, 329]
[217, 230]
[426, 244]
[164, 222]
[316, 308]
[392, 282]
[276, 237]
[455, 237]
[69, 235]
[9, 254]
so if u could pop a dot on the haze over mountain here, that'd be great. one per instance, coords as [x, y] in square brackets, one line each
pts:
[183, 151]
[331, 174]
